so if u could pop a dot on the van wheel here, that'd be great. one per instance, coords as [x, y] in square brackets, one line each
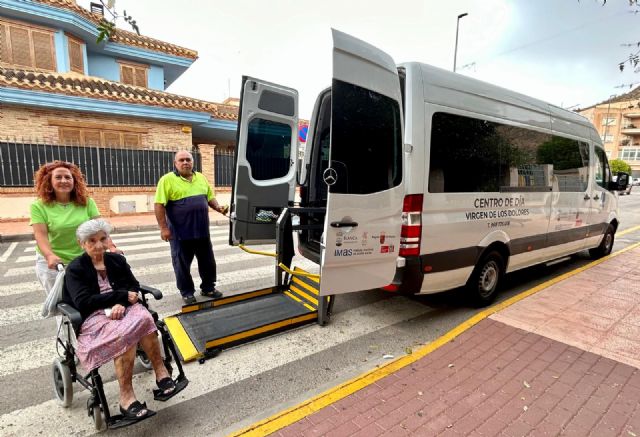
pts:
[485, 279]
[606, 245]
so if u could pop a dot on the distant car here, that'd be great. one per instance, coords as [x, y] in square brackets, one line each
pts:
[636, 181]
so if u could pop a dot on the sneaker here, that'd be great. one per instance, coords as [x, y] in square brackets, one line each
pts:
[189, 300]
[215, 294]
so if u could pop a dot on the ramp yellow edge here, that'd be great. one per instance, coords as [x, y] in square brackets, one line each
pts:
[306, 408]
[181, 339]
[261, 330]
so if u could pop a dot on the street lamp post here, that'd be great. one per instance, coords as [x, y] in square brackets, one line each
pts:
[455, 50]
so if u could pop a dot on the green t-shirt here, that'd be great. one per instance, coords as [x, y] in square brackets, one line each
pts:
[62, 222]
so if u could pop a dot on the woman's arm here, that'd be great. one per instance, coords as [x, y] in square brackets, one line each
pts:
[41, 234]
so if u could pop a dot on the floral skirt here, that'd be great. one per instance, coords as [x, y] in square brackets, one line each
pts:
[102, 339]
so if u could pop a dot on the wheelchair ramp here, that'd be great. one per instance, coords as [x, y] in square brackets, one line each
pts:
[210, 326]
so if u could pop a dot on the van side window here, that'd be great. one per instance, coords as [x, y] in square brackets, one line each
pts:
[268, 149]
[602, 174]
[366, 140]
[569, 161]
[474, 155]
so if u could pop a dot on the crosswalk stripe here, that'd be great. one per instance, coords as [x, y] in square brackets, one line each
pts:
[5, 256]
[220, 253]
[116, 235]
[135, 238]
[28, 313]
[259, 358]
[130, 248]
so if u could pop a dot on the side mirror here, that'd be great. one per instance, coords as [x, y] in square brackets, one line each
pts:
[623, 180]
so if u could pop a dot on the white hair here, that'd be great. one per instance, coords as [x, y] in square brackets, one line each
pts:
[92, 227]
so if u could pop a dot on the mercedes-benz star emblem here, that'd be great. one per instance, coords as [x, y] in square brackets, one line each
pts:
[330, 176]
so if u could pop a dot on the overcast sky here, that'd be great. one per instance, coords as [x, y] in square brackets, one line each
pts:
[565, 52]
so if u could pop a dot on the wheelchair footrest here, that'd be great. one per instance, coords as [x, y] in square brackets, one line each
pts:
[181, 384]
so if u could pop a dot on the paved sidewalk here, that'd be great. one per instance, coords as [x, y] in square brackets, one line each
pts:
[562, 361]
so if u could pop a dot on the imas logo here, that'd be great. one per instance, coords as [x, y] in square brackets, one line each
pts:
[343, 252]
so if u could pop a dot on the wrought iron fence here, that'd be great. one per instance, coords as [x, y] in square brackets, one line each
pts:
[224, 168]
[101, 166]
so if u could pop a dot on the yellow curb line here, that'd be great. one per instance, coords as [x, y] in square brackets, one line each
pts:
[627, 231]
[334, 394]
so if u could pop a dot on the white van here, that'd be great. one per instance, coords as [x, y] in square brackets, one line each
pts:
[419, 180]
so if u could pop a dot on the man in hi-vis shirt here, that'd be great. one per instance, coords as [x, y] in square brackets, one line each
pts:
[182, 202]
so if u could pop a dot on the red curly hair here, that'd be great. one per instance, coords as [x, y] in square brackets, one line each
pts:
[44, 187]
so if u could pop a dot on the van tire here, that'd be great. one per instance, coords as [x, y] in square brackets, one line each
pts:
[485, 279]
[606, 245]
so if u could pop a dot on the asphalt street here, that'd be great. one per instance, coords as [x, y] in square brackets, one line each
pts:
[244, 384]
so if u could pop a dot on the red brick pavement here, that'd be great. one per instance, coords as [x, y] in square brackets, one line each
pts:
[492, 380]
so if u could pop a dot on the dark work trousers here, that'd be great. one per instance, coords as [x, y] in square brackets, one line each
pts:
[182, 253]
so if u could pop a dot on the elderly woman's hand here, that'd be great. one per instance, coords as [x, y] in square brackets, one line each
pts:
[117, 312]
[133, 297]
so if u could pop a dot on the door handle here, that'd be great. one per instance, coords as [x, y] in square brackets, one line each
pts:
[586, 197]
[343, 224]
[596, 197]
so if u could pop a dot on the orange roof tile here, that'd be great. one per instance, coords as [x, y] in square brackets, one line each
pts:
[75, 84]
[123, 36]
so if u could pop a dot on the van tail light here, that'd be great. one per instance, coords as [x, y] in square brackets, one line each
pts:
[411, 225]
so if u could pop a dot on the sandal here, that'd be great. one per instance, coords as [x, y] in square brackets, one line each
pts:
[166, 385]
[167, 388]
[136, 411]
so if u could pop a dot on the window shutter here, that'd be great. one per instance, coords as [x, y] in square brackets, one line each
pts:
[112, 139]
[20, 46]
[43, 50]
[131, 140]
[70, 136]
[76, 56]
[92, 137]
[141, 77]
[4, 48]
[126, 75]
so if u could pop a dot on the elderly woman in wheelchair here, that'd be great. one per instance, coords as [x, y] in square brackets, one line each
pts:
[115, 324]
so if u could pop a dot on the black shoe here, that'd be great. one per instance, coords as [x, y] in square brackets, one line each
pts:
[215, 294]
[189, 300]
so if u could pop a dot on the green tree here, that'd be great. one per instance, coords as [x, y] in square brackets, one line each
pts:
[618, 165]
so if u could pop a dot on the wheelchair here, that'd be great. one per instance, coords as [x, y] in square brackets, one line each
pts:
[65, 367]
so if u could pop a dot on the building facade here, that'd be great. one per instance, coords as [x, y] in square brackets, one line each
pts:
[61, 91]
[617, 120]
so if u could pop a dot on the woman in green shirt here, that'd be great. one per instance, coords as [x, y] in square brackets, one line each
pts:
[63, 204]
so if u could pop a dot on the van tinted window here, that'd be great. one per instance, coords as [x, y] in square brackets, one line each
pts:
[268, 149]
[366, 140]
[602, 174]
[474, 155]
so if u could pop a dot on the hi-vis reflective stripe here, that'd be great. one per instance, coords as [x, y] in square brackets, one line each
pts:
[261, 330]
[182, 340]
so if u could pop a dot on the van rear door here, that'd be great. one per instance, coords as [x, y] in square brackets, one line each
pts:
[267, 146]
[365, 174]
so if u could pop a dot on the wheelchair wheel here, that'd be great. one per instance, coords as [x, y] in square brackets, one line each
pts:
[143, 359]
[62, 384]
[95, 411]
